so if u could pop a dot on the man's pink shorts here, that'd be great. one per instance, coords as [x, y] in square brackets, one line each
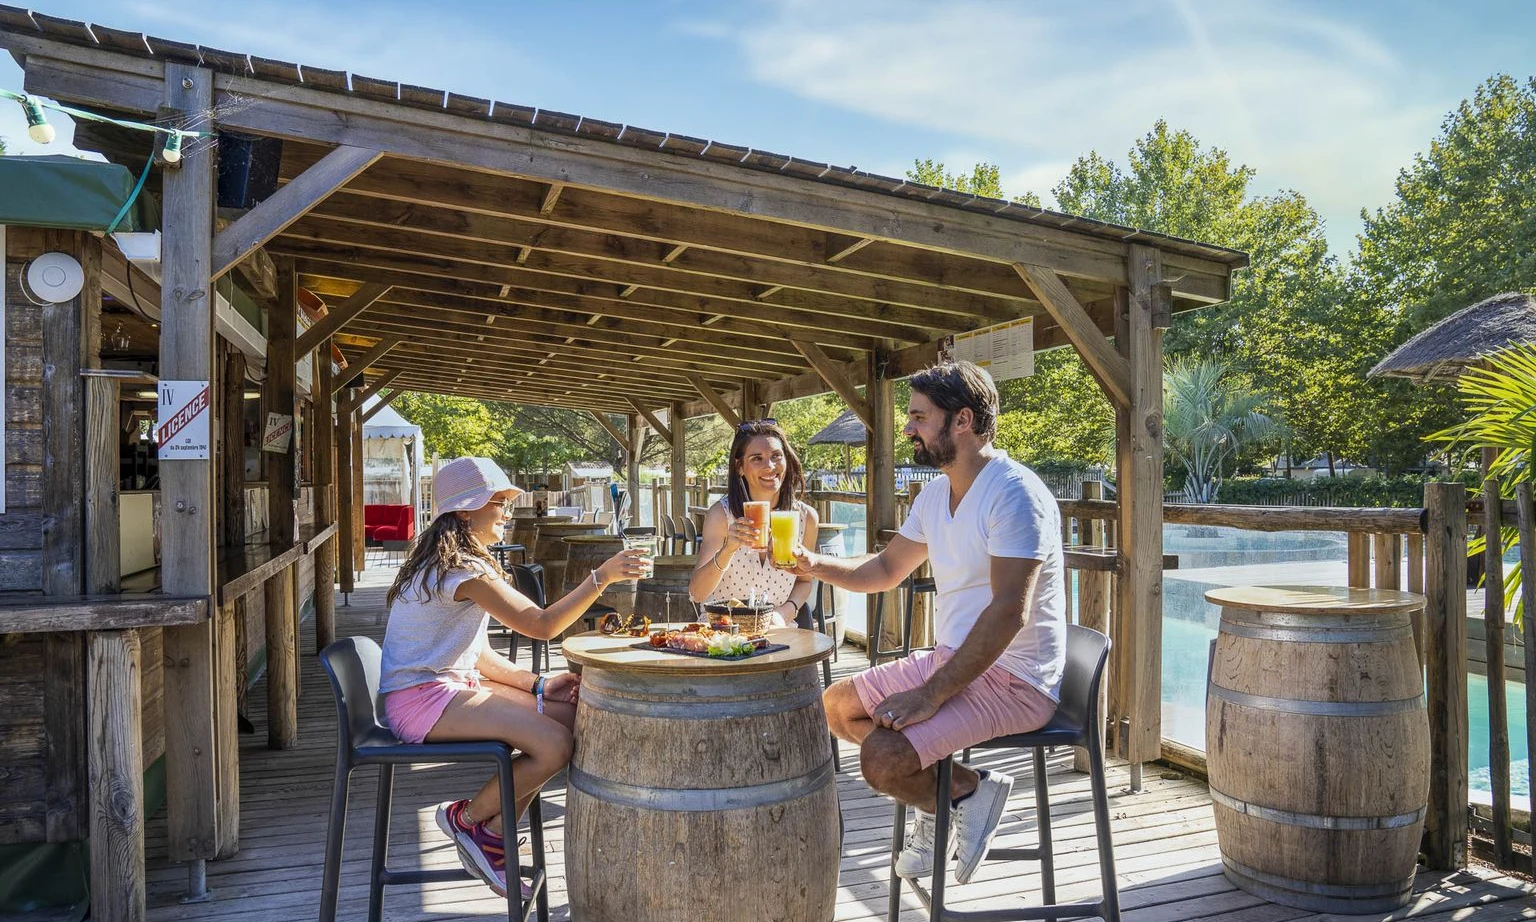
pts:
[413, 712]
[996, 704]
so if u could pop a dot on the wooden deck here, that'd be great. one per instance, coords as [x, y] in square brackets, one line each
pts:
[1165, 841]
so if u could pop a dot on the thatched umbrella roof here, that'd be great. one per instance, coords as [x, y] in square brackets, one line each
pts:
[847, 429]
[1443, 351]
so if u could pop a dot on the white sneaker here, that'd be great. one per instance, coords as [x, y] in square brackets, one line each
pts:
[916, 858]
[976, 820]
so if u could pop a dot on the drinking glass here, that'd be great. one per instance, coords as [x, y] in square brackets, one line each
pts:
[757, 513]
[785, 525]
[646, 544]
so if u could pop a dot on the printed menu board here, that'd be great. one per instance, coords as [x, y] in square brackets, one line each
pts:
[1006, 350]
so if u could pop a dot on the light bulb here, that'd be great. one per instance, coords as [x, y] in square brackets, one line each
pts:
[171, 152]
[38, 128]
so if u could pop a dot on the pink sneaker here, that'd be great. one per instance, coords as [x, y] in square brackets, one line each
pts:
[482, 852]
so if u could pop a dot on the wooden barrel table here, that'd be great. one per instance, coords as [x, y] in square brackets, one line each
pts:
[525, 530]
[587, 553]
[664, 597]
[700, 788]
[1317, 744]
[550, 549]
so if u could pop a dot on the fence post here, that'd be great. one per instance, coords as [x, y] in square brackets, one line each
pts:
[1445, 582]
[1498, 706]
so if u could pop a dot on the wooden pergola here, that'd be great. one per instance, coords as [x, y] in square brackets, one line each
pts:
[494, 250]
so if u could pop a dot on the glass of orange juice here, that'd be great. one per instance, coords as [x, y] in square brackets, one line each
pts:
[785, 526]
[757, 513]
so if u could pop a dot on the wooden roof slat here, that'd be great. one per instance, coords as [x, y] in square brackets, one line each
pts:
[512, 114]
[880, 183]
[527, 378]
[810, 169]
[70, 30]
[596, 128]
[725, 153]
[504, 396]
[181, 52]
[374, 88]
[324, 78]
[17, 19]
[550, 120]
[229, 62]
[120, 40]
[527, 372]
[765, 160]
[276, 71]
[422, 97]
[683, 144]
[642, 137]
[473, 106]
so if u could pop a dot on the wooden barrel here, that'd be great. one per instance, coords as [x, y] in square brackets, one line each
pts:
[1317, 743]
[525, 530]
[587, 552]
[701, 789]
[550, 549]
[664, 597]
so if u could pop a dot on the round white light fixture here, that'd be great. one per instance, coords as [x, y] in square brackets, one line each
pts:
[55, 278]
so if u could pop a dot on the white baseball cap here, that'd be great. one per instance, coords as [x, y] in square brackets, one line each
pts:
[465, 484]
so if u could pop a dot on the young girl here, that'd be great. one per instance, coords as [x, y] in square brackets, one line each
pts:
[763, 468]
[442, 681]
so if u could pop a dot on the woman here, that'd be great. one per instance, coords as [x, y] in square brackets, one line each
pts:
[763, 468]
[442, 681]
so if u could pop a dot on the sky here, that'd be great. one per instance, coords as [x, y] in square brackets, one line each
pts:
[1326, 97]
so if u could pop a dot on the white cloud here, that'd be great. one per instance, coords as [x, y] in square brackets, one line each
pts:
[1311, 103]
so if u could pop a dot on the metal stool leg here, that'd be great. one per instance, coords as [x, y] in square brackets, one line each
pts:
[330, 882]
[941, 828]
[1111, 887]
[898, 839]
[509, 837]
[536, 832]
[1043, 824]
[380, 842]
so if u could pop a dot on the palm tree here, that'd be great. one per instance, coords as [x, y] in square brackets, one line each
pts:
[1207, 418]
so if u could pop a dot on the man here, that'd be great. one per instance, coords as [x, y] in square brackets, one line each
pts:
[992, 532]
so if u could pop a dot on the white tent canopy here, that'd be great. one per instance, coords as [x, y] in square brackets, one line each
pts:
[392, 459]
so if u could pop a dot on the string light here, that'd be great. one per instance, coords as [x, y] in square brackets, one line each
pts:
[38, 128]
[171, 151]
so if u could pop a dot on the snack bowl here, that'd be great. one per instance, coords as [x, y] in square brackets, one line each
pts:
[752, 619]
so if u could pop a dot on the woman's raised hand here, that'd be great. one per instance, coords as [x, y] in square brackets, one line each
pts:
[742, 532]
[631, 563]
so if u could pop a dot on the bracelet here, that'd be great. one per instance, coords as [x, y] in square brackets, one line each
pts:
[716, 561]
[538, 693]
[595, 583]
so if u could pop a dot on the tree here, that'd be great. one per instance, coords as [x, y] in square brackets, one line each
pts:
[984, 180]
[1208, 417]
[1057, 414]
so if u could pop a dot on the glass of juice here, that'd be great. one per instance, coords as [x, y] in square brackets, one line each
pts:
[785, 525]
[757, 514]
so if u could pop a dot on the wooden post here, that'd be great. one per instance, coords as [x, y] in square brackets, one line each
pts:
[1527, 519]
[880, 491]
[102, 531]
[282, 518]
[632, 458]
[1093, 599]
[116, 778]
[186, 354]
[1498, 706]
[1387, 551]
[324, 460]
[1445, 582]
[678, 496]
[1139, 589]
[345, 520]
[232, 442]
[1359, 560]
[1416, 584]
[355, 481]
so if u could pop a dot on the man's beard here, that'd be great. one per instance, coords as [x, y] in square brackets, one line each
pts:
[941, 454]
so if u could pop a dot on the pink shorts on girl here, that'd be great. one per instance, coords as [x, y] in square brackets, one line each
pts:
[413, 712]
[996, 704]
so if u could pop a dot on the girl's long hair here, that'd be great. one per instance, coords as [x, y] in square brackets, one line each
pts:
[794, 474]
[447, 544]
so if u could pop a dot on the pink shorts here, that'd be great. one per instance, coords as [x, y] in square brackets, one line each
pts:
[413, 712]
[996, 704]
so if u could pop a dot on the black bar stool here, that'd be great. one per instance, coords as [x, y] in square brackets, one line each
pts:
[529, 580]
[352, 663]
[1076, 723]
[911, 587]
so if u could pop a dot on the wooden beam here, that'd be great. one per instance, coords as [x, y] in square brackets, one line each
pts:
[836, 379]
[1139, 453]
[102, 525]
[663, 431]
[373, 389]
[551, 196]
[231, 492]
[345, 515]
[116, 761]
[678, 464]
[721, 405]
[1112, 370]
[636, 442]
[1445, 589]
[356, 367]
[383, 402]
[324, 423]
[281, 608]
[338, 316]
[880, 486]
[602, 420]
[285, 206]
[840, 248]
[186, 354]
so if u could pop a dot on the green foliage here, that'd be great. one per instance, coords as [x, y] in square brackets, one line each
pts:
[1057, 414]
[450, 426]
[1208, 416]
[983, 180]
[1402, 491]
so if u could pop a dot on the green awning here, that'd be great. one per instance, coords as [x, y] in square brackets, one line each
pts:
[71, 193]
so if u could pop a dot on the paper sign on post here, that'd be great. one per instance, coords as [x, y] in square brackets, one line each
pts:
[183, 425]
[1006, 350]
[279, 433]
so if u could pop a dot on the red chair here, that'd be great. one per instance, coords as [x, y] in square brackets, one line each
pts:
[389, 522]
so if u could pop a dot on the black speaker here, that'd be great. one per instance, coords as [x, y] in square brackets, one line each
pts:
[247, 169]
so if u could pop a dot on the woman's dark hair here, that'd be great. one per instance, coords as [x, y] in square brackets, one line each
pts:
[794, 475]
[447, 544]
[955, 386]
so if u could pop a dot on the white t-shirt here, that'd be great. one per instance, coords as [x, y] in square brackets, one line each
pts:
[1007, 512]
[436, 639]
